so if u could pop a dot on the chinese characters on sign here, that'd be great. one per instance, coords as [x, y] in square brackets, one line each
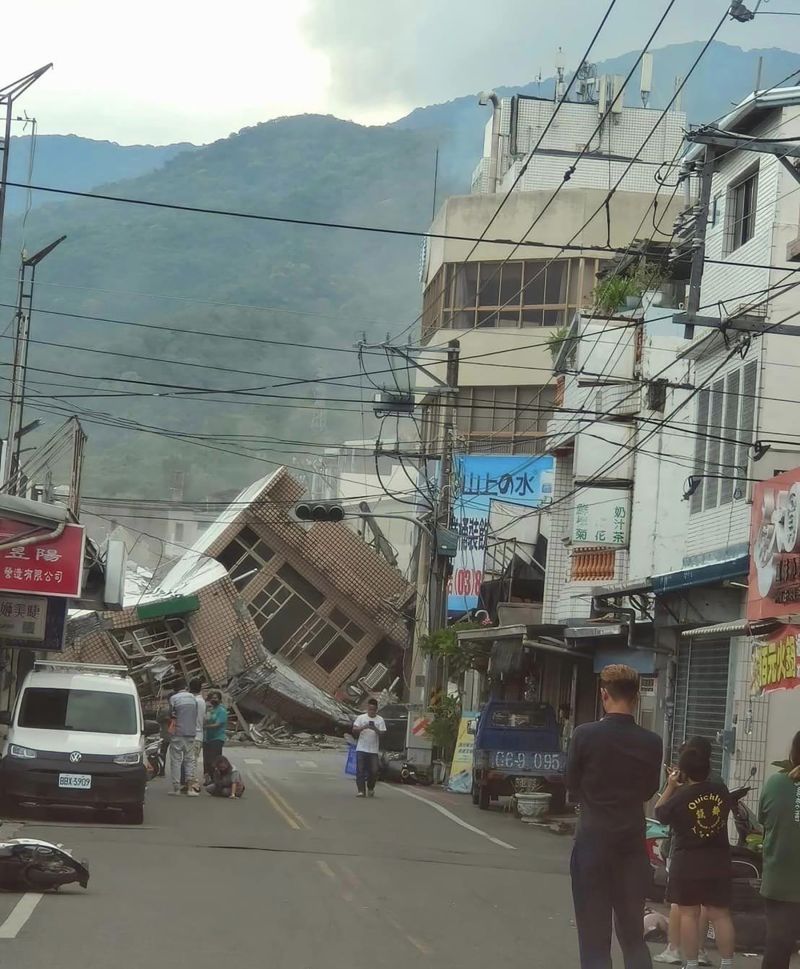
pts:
[602, 517]
[51, 568]
[776, 662]
[513, 480]
[22, 617]
[774, 587]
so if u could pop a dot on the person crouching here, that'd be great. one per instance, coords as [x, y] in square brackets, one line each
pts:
[226, 781]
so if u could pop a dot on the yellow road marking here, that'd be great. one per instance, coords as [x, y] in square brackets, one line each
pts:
[287, 807]
[326, 869]
[269, 796]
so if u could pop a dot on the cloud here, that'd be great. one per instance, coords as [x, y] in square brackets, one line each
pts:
[384, 54]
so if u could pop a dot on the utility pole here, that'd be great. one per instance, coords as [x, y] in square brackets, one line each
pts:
[8, 95]
[720, 140]
[22, 322]
[434, 566]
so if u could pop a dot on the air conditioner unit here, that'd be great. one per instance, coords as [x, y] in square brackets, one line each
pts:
[375, 675]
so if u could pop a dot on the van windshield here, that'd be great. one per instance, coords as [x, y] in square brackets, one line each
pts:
[519, 719]
[91, 711]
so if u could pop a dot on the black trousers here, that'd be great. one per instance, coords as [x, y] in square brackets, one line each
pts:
[211, 750]
[366, 770]
[609, 880]
[783, 932]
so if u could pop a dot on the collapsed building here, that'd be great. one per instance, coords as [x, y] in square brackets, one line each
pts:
[304, 615]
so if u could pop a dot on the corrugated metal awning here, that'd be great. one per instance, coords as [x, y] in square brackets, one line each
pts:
[736, 627]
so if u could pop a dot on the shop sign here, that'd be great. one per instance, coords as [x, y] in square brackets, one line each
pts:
[602, 517]
[774, 586]
[32, 622]
[776, 661]
[482, 479]
[46, 568]
[460, 780]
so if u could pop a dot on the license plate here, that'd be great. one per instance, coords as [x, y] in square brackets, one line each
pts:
[81, 782]
[550, 762]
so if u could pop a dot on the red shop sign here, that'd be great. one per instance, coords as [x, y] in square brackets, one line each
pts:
[45, 568]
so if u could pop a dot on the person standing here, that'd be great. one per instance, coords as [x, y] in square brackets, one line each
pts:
[215, 731]
[779, 812]
[697, 810]
[183, 707]
[368, 728]
[199, 734]
[613, 768]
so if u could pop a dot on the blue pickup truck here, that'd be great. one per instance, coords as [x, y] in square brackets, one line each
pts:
[517, 740]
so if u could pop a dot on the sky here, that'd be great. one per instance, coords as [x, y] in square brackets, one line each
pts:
[173, 70]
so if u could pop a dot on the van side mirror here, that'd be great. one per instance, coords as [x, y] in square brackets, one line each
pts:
[5, 718]
[150, 727]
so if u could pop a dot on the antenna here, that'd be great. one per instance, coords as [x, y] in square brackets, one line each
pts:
[560, 68]
[678, 105]
[646, 85]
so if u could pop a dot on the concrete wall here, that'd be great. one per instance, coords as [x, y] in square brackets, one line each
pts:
[573, 129]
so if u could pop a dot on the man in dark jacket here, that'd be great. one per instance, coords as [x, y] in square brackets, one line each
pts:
[614, 767]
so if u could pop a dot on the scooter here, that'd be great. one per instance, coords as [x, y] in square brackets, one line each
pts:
[29, 865]
[154, 760]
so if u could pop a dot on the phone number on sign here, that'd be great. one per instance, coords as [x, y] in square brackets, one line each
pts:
[466, 582]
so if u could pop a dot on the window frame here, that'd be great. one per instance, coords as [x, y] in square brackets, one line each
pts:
[741, 214]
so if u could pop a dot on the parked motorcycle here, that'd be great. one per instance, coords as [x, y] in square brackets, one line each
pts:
[29, 865]
[154, 760]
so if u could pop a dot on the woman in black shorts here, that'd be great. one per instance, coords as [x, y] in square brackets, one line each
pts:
[697, 810]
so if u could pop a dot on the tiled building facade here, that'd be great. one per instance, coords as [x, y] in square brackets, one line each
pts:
[317, 596]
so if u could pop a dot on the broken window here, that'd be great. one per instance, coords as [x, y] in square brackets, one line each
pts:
[245, 555]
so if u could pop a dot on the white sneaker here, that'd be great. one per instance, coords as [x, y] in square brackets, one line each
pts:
[702, 958]
[175, 792]
[670, 955]
[361, 794]
[370, 793]
[192, 793]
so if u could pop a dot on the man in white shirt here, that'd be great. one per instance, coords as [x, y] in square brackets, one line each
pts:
[368, 727]
[196, 688]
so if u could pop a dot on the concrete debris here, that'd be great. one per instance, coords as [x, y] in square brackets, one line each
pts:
[280, 706]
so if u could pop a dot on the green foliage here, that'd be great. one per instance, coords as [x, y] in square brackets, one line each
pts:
[610, 294]
[460, 657]
[443, 729]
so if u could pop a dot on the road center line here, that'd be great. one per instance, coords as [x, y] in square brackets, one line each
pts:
[269, 796]
[253, 760]
[20, 914]
[456, 819]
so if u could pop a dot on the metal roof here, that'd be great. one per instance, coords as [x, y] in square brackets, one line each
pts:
[782, 97]
[736, 627]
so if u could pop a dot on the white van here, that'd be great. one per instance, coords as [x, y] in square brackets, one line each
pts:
[75, 738]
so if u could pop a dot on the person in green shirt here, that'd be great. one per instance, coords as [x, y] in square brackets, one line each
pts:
[779, 812]
[215, 731]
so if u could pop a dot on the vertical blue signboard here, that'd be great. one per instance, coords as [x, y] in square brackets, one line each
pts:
[482, 479]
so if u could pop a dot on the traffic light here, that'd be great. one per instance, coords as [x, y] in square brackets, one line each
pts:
[319, 511]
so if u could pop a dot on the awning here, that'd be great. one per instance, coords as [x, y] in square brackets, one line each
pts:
[701, 575]
[736, 627]
[553, 648]
[176, 606]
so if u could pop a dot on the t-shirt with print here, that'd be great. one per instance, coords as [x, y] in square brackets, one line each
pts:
[698, 816]
[368, 740]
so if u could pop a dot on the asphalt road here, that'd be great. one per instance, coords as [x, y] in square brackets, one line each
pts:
[300, 874]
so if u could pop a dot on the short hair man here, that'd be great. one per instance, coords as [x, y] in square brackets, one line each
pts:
[187, 716]
[368, 728]
[614, 767]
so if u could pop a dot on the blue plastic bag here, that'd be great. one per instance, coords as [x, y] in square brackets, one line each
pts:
[350, 763]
